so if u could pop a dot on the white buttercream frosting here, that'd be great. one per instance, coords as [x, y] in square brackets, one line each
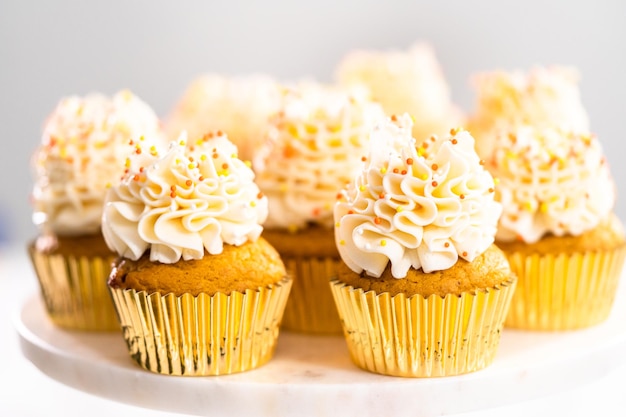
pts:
[551, 181]
[405, 81]
[316, 146]
[543, 97]
[416, 204]
[84, 144]
[238, 105]
[196, 197]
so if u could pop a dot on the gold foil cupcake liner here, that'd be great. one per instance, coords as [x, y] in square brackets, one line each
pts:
[564, 291]
[422, 337]
[311, 307]
[201, 335]
[75, 291]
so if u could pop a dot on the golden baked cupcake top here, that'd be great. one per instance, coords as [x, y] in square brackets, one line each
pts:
[238, 105]
[552, 182]
[543, 97]
[405, 81]
[318, 140]
[83, 147]
[416, 204]
[195, 197]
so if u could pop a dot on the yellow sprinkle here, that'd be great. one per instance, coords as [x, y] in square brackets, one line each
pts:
[334, 128]
[191, 166]
[292, 228]
[383, 170]
[181, 143]
[543, 207]
[342, 242]
[496, 181]
[142, 137]
[223, 172]
[234, 155]
[528, 206]
[337, 224]
[177, 161]
[293, 131]
[362, 188]
[511, 155]
[399, 209]
[253, 203]
[412, 118]
[108, 185]
[283, 188]
[383, 242]
[127, 163]
[311, 129]
[424, 176]
[203, 157]
[421, 151]
[248, 164]
[127, 95]
[199, 141]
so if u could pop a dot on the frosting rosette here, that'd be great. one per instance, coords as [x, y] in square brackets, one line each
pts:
[416, 204]
[551, 182]
[543, 97]
[238, 105]
[315, 147]
[84, 144]
[197, 196]
[405, 81]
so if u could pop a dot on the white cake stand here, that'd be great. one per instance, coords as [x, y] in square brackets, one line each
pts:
[313, 375]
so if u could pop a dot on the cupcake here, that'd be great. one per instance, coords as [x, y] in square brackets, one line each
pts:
[317, 142]
[422, 290]
[196, 289]
[239, 105]
[84, 143]
[557, 228]
[405, 81]
[543, 97]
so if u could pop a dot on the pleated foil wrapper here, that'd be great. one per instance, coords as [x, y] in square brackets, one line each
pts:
[422, 337]
[564, 291]
[311, 307]
[75, 291]
[202, 335]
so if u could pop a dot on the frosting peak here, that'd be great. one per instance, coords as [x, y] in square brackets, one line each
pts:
[551, 181]
[195, 197]
[416, 204]
[84, 144]
[315, 148]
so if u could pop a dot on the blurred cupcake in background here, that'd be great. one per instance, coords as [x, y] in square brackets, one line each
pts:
[402, 81]
[422, 291]
[82, 152]
[196, 289]
[316, 145]
[238, 105]
[557, 228]
[543, 97]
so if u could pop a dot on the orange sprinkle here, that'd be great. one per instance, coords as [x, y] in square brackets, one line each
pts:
[173, 188]
[425, 145]
[396, 170]
[409, 161]
[191, 159]
[215, 156]
[363, 158]
[188, 183]
[219, 133]
[377, 220]
[464, 254]
[454, 131]
[138, 151]
[447, 244]
[482, 162]
[131, 142]
[462, 196]
[339, 196]
[259, 195]
[141, 169]
[201, 178]
[316, 211]
[434, 183]
[435, 167]
[225, 166]
[433, 138]
[394, 118]
[173, 194]
[454, 141]
[403, 172]
[136, 177]
[381, 195]
[350, 212]
[491, 190]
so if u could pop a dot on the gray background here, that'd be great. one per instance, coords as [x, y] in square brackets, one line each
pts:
[50, 49]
